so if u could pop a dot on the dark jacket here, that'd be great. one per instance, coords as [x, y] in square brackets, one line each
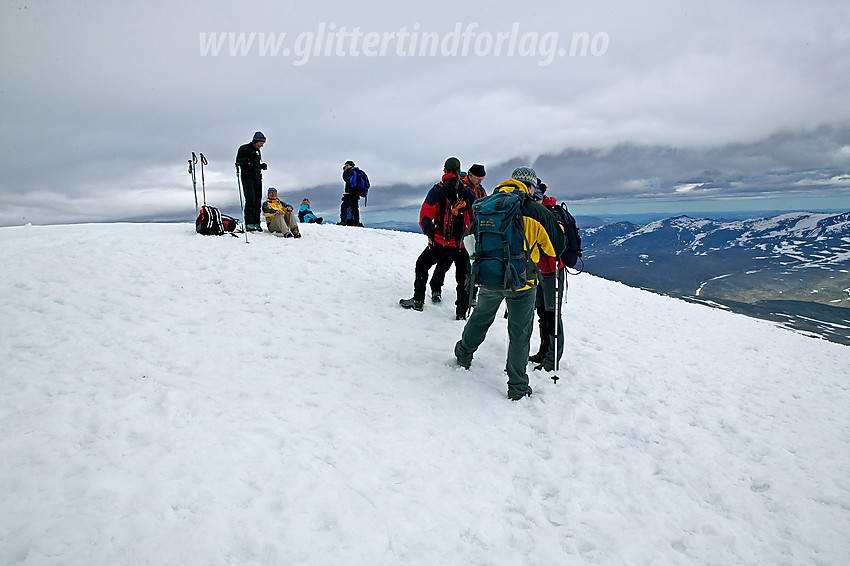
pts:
[547, 264]
[346, 176]
[437, 218]
[248, 159]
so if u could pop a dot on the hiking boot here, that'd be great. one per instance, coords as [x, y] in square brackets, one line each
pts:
[296, 235]
[411, 304]
[518, 396]
[464, 365]
[436, 296]
[545, 366]
[537, 358]
[253, 228]
[460, 317]
[288, 235]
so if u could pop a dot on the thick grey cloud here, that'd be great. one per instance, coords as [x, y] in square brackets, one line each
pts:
[103, 102]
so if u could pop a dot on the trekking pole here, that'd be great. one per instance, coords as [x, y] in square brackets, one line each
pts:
[194, 183]
[203, 185]
[557, 320]
[241, 206]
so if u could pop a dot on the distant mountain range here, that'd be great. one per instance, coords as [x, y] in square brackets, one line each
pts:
[792, 268]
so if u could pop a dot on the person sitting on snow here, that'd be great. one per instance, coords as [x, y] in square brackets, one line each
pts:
[279, 216]
[306, 215]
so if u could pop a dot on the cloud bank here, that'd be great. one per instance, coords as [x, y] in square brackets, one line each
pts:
[104, 102]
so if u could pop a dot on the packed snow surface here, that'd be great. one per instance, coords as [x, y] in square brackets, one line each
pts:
[168, 398]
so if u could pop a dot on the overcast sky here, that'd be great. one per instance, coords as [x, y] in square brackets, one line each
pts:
[614, 103]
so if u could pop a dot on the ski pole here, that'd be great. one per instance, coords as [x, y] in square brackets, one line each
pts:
[557, 319]
[203, 185]
[194, 183]
[241, 206]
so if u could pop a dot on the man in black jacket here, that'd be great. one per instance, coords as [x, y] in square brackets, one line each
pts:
[248, 161]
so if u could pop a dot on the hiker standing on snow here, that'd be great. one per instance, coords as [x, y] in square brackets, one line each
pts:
[248, 161]
[548, 316]
[349, 213]
[279, 216]
[444, 217]
[472, 180]
[542, 237]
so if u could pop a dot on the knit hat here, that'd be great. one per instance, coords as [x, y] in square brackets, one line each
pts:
[349, 162]
[272, 189]
[452, 165]
[477, 170]
[258, 136]
[525, 174]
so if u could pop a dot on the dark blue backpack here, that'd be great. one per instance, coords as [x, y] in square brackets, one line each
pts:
[360, 180]
[500, 260]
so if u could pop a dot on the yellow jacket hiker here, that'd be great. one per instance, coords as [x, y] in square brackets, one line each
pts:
[543, 236]
[542, 232]
[280, 218]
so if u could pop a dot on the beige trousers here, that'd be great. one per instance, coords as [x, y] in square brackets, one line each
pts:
[285, 223]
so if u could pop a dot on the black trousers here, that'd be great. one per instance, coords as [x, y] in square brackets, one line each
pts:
[446, 255]
[551, 326]
[349, 213]
[253, 191]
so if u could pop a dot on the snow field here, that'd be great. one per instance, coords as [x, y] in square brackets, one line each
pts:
[168, 398]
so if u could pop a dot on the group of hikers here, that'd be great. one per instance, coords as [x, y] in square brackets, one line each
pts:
[446, 218]
[532, 279]
[280, 216]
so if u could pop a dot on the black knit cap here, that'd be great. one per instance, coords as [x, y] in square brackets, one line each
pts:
[477, 170]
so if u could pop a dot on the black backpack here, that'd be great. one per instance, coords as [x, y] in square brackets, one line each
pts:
[211, 222]
[451, 210]
[572, 254]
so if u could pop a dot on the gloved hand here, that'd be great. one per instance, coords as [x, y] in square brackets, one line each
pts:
[263, 166]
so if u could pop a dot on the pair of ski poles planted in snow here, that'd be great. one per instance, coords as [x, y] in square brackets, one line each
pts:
[193, 165]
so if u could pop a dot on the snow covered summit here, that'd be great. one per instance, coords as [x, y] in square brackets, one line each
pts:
[168, 398]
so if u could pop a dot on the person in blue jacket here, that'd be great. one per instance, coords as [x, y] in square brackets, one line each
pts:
[349, 212]
[306, 215]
